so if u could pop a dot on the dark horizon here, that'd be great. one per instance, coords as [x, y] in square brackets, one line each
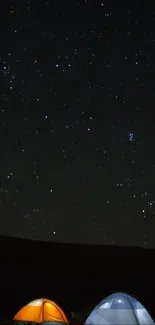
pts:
[70, 244]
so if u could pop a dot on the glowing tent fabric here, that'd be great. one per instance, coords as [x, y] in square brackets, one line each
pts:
[41, 311]
[117, 309]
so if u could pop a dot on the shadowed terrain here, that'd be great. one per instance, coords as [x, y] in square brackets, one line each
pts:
[75, 276]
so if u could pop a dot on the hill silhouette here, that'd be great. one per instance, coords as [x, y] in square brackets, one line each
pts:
[75, 276]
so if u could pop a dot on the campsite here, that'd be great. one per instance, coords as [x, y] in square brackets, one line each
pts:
[75, 277]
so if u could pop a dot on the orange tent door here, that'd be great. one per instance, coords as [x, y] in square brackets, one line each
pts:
[51, 313]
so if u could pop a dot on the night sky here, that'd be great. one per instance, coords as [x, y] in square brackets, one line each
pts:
[77, 121]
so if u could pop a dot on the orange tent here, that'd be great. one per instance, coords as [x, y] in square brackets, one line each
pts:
[41, 310]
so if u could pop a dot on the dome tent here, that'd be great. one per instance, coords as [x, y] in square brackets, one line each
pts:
[41, 311]
[119, 308]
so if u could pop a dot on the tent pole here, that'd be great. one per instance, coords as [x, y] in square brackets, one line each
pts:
[133, 311]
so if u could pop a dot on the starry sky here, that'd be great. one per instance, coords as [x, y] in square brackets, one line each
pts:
[77, 135]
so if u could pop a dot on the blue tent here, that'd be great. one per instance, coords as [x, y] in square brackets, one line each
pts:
[117, 309]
